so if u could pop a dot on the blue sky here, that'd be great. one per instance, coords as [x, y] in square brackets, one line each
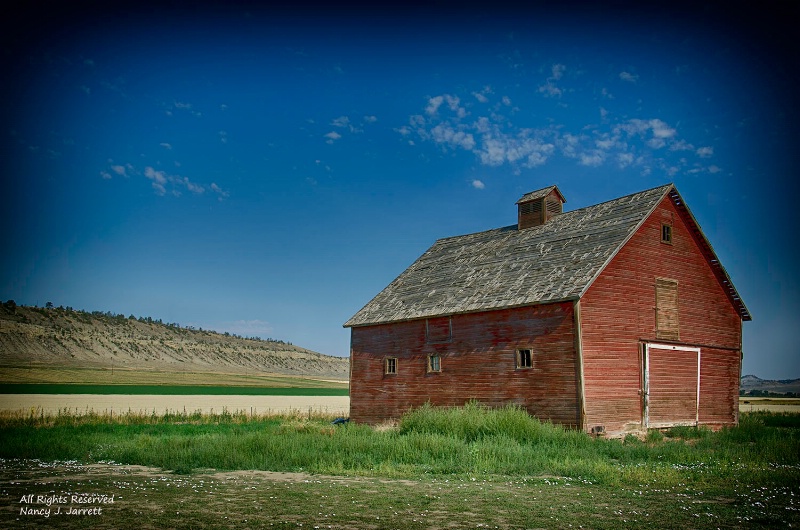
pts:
[267, 172]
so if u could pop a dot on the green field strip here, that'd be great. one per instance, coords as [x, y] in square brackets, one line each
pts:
[167, 390]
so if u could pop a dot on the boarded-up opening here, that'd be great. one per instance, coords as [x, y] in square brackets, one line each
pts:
[667, 309]
[438, 330]
[671, 385]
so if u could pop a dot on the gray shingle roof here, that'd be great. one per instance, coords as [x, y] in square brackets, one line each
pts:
[506, 267]
[538, 194]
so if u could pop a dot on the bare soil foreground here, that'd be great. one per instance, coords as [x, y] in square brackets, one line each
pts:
[82, 403]
[39, 494]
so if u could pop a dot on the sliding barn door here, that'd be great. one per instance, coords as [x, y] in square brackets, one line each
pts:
[671, 385]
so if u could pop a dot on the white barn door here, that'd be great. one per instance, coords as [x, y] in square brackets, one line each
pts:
[671, 385]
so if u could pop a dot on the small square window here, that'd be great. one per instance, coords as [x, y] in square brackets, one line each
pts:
[390, 366]
[666, 233]
[524, 359]
[434, 363]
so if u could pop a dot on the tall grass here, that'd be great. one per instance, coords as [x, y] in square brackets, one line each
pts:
[470, 440]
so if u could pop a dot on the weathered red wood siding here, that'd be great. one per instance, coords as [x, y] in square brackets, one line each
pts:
[618, 311]
[478, 362]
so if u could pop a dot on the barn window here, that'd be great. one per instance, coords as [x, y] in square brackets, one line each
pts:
[524, 359]
[434, 363]
[667, 309]
[438, 330]
[666, 233]
[390, 366]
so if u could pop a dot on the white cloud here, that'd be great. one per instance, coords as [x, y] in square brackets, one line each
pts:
[433, 105]
[105, 175]
[161, 179]
[592, 159]
[714, 169]
[448, 135]
[191, 186]
[659, 130]
[166, 146]
[119, 170]
[681, 145]
[624, 160]
[156, 176]
[550, 88]
[221, 194]
[605, 143]
[478, 185]
[495, 140]
[223, 137]
[332, 137]
[627, 76]
[370, 119]
[341, 121]
[705, 152]
[247, 328]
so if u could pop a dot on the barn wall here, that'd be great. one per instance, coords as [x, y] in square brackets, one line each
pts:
[618, 312]
[478, 362]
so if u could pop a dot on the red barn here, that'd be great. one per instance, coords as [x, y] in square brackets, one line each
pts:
[613, 318]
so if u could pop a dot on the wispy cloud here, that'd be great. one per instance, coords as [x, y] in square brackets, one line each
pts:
[347, 125]
[487, 131]
[629, 77]
[550, 88]
[161, 181]
[247, 328]
[705, 152]
[183, 107]
[478, 185]
[341, 121]
[221, 194]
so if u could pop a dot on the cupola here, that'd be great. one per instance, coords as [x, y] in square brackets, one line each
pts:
[538, 207]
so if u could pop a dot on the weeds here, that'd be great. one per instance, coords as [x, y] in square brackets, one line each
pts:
[738, 476]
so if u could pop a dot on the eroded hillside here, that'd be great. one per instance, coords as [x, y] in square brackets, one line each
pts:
[63, 337]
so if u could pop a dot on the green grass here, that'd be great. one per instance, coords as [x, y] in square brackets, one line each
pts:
[500, 465]
[168, 390]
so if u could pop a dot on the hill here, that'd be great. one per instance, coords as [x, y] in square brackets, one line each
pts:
[752, 385]
[59, 337]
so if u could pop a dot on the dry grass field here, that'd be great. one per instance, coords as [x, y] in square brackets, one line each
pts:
[147, 404]
[751, 404]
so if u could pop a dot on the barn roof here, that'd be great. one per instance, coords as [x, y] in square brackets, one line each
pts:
[507, 267]
[538, 194]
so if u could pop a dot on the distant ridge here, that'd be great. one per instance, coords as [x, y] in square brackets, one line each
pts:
[56, 336]
[751, 383]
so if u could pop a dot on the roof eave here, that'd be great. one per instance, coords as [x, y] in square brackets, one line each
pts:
[570, 298]
[716, 266]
